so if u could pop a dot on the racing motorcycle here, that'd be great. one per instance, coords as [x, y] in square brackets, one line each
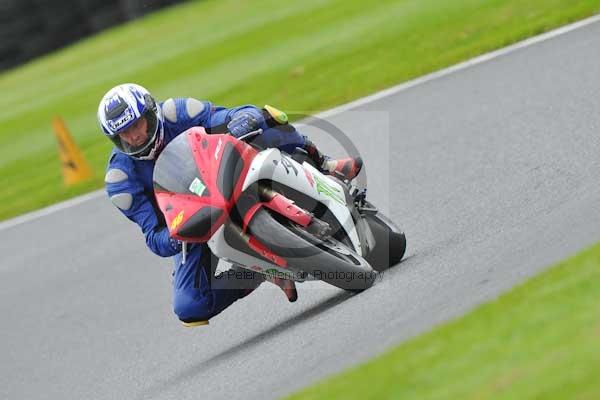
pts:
[272, 212]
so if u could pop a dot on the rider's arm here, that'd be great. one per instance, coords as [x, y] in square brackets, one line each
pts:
[244, 119]
[222, 116]
[184, 113]
[127, 194]
[187, 112]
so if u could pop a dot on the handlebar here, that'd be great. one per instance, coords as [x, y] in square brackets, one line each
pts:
[250, 135]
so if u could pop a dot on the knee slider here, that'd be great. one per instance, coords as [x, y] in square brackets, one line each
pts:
[194, 324]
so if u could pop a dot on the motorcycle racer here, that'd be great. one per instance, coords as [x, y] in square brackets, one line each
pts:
[139, 128]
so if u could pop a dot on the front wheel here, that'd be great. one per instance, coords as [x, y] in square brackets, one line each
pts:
[326, 260]
[390, 242]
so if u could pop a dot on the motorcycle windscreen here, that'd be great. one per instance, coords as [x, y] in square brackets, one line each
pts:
[182, 195]
[176, 171]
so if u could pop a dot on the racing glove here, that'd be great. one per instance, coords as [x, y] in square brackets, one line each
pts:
[175, 244]
[242, 124]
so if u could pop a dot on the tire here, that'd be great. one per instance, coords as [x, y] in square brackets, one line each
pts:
[390, 242]
[328, 260]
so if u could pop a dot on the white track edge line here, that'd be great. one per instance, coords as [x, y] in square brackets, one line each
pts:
[50, 209]
[348, 106]
[460, 66]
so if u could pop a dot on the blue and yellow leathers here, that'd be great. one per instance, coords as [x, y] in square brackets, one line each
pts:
[197, 296]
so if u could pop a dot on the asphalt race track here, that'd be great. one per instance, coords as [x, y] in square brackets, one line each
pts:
[492, 171]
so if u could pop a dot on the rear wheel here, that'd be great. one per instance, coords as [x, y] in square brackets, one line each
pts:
[326, 260]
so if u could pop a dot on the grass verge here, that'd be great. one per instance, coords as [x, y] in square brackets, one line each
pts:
[539, 341]
[301, 56]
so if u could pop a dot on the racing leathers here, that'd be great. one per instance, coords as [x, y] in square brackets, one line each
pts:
[198, 294]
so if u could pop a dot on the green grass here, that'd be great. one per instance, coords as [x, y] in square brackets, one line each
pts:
[301, 56]
[539, 341]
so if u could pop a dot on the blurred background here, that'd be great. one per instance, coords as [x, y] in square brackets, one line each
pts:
[58, 58]
[30, 28]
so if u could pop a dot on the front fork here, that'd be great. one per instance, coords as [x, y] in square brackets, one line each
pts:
[183, 252]
[268, 198]
[287, 208]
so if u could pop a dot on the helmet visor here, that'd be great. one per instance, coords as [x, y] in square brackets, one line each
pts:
[138, 139]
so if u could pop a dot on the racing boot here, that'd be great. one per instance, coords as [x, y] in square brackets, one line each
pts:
[288, 286]
[344, 168]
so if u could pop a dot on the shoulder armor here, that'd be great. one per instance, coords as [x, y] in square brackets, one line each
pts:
[169, 110]
[193, 107]
[122, 200]
[115, 175]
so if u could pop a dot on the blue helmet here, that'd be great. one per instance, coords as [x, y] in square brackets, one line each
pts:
[120, 108]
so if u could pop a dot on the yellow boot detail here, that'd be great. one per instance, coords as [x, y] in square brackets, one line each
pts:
[277, 115]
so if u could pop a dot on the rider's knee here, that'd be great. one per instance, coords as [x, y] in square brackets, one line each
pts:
[192, 309]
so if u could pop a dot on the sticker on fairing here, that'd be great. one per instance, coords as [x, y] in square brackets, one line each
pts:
[177, 220]
[309, 178]
[288, 165]
[330, 191]
[197, 187]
